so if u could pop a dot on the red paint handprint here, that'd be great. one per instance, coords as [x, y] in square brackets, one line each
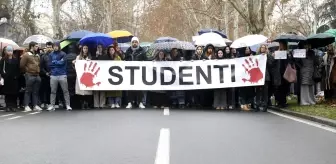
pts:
[89, 75]
[252, 68]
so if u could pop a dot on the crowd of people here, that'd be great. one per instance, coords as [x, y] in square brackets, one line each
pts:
[45, 77]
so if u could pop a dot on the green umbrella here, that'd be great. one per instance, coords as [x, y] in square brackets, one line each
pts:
[65, 43]
[320, 39]
[146, 44]
[331, 31]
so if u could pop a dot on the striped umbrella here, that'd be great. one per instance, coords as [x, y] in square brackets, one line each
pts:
[6, 42]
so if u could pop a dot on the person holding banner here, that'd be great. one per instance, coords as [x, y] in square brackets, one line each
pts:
[247, 93]
[99, 97]
[177, 97]
[198, 95]
[114, 97]
[86, 95]
[220, 95]
[135, 53]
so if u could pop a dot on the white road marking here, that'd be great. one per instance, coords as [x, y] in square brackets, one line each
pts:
[33, 113]
[163, 150]
[166, 111]
[311, 123]
[6, 115]
[12, 118]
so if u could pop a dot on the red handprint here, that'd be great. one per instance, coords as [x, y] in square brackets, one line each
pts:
[89, 74]
[252, 68]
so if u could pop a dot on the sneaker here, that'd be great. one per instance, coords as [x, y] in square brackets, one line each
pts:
[68, 108]
[129, 106]
[117, 105]
[141, 106]
[51, 108]
[42, 105]
[27, 109]
[56, 106]
[113, 106]
[37, 108]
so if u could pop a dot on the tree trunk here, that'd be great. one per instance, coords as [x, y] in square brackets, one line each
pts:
[27, 18]
[57, 4]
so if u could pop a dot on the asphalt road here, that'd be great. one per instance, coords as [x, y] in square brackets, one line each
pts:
[132, 137]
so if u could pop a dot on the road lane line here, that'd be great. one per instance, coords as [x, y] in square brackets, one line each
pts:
[12, 118]
[166, 111]
[33, 113]
[163, 150]
[6, 115]
[311, 123]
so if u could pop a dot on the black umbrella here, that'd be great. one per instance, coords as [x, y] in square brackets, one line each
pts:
[289, 38]
[320, 40]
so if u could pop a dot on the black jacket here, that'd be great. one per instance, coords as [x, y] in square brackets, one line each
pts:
[196, 57]
[137, 55]
[71, 71]
[44, 65]
[10, 72]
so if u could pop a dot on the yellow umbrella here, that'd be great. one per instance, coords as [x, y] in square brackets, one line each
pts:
[122, 36]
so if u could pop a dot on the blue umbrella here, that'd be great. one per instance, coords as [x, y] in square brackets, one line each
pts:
[95, 39]
[165, 39]
[76, 35]
[211, 30]
[124, 46]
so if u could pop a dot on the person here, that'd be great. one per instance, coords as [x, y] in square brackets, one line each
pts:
[306, 65]
[114, 97]
[159, 98]
[233, 93]
[328, 80]
[45, 89]
[99, 97]
[220, 95]
[30, 64]
[10, 72]
[262, 91]
[247, 93]
[71, 75]
[58, 76]
[197, 95]
[177, 97]
[135, 53]
[85, 94]
[209, 51]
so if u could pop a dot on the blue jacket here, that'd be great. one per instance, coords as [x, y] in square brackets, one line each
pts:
[57, 64]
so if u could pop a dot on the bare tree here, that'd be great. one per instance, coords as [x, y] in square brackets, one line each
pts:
[56, 5]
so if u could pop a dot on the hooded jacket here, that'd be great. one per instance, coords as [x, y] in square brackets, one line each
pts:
[57, 63]
[136, 55]
[205, 51]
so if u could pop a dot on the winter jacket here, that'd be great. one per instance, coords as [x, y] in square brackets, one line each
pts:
[10, 72]
[30, 63]
[71, 71]
[57, 63]
[44, 65]
[137, 55]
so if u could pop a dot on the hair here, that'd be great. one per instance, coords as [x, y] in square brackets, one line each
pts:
[32, 44]
[82, 52]
[50, 44]
[108, 52]
[223, 51]
[157, 56]
[225, 54]
[259, 49]
[5, 55]
[245, 51]
[285, 44]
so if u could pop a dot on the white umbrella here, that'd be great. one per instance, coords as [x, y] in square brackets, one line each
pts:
[6, 42]
[40, 39]
[249, 40]
[209, 38]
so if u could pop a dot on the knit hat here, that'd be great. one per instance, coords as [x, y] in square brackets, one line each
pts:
[135, 39]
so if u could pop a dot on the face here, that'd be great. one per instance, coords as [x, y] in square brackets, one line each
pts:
[100, 48]
[85, 49]
[247, 51]
[161, 55]
[199, 50]
[227, 50]
[234, 50]
[9, 51]
[56, 48]
[263, 49]
[135, 44]
[330, 48]
[35, 48]
[111, 51]
[210, 50]
[118, 49]
[220, 54]
[174, 52]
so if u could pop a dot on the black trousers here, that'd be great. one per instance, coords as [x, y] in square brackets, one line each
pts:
[247, 95]
[281, 94]
[11, 101]
[262, 95]
[159, 99]
[233, 97]
[45, 90]
[134, 96]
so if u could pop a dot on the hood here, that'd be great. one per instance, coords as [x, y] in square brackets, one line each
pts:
[207, 47]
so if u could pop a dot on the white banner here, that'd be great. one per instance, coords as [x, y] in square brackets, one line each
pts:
[171, 75]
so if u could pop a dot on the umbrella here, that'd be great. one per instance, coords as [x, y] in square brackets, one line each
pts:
[121, 36]
[166, 45]
[332, 32]
[289, 38]
[40, 39]
[77, 35]
[65, 43]
[203, 31]
[165, 39]
[209, 38]
[320, 40]
[97, 38]
[6, 42]
[124, 46]
[146, 44]
[274, 45]
[248, 41]
[187, 45]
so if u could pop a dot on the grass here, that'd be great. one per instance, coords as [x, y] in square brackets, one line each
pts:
[321, 110]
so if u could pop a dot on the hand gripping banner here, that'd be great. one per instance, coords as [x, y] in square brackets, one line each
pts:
[171, 75]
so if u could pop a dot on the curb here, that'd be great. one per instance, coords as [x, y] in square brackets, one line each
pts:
[317, 119]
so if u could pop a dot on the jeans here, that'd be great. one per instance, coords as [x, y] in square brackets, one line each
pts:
[114, 100]
[32, 89]
[54, 81]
